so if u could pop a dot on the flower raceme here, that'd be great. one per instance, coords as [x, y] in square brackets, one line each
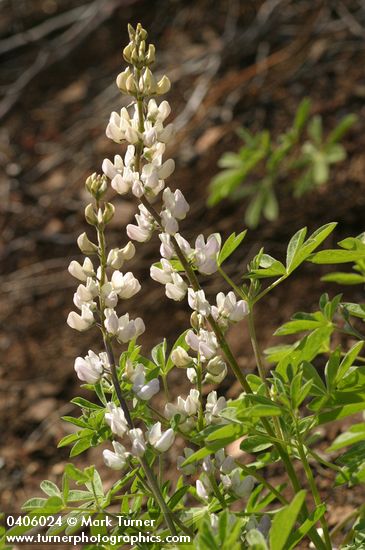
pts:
[103, 288]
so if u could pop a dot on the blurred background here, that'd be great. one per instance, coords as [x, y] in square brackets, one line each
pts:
[231, 63]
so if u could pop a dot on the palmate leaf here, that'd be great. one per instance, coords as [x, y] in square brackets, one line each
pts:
[299, 250]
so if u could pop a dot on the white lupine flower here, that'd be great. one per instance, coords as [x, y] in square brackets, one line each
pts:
[189, 469]
[206, 253]
[81, 322]
[180, 357]
[176, 290]
[123, 328]
[217, 378]
[198, 302]
[160, 441]
[111, 321]
[125, 285]
[228, 309]
[81, 272]
[117, 256]
[184, 245]
[144, 390]
[205, 343]
[166, 249]
[162, 275]
[115, 418]
[214, 407]
[201, 491]
[216, 365]
[264, 525]
[129, 329]
[143, 231]
[109, 295]
[225, 463]
[131, 371]
[169, 223]
[191, 374]
[149, 136]
[151, 183]
[85, 245]
[157, 112]
[90, 368]
[207, 465]
[138, 234]
[122, 78]
[203, 487]
[216, 370]
[175, 203]
[185, 408]
[118, 459]
[166, 169]
[86, 294]
[138, 442]
[192, 402]
[121, 127]
[214, 522]
[114, 171]
[242, 488]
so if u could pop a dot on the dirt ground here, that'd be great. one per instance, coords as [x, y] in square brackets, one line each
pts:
[231, 63]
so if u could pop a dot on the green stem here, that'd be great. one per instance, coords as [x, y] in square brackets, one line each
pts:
[269, 288]
[231, 283]
[165, 387]
[315, 493]
[152, 482]
[325, 462]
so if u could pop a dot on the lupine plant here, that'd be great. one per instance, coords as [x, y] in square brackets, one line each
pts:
[217, 500]
[294, 160]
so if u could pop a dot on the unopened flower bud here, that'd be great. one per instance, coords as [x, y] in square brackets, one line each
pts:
[150, 57]
[163, 85]
[149, 82]
[122, 79]
[127, 53]
[131, 85]
[90, 215]
[131, 32]
[129, 251]
[141, 32]
[195, 320]
[135, 56]
[85, 245]
[96, 185]
[117, 256]
[180, 357]
[142, 50]
[108, 213]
